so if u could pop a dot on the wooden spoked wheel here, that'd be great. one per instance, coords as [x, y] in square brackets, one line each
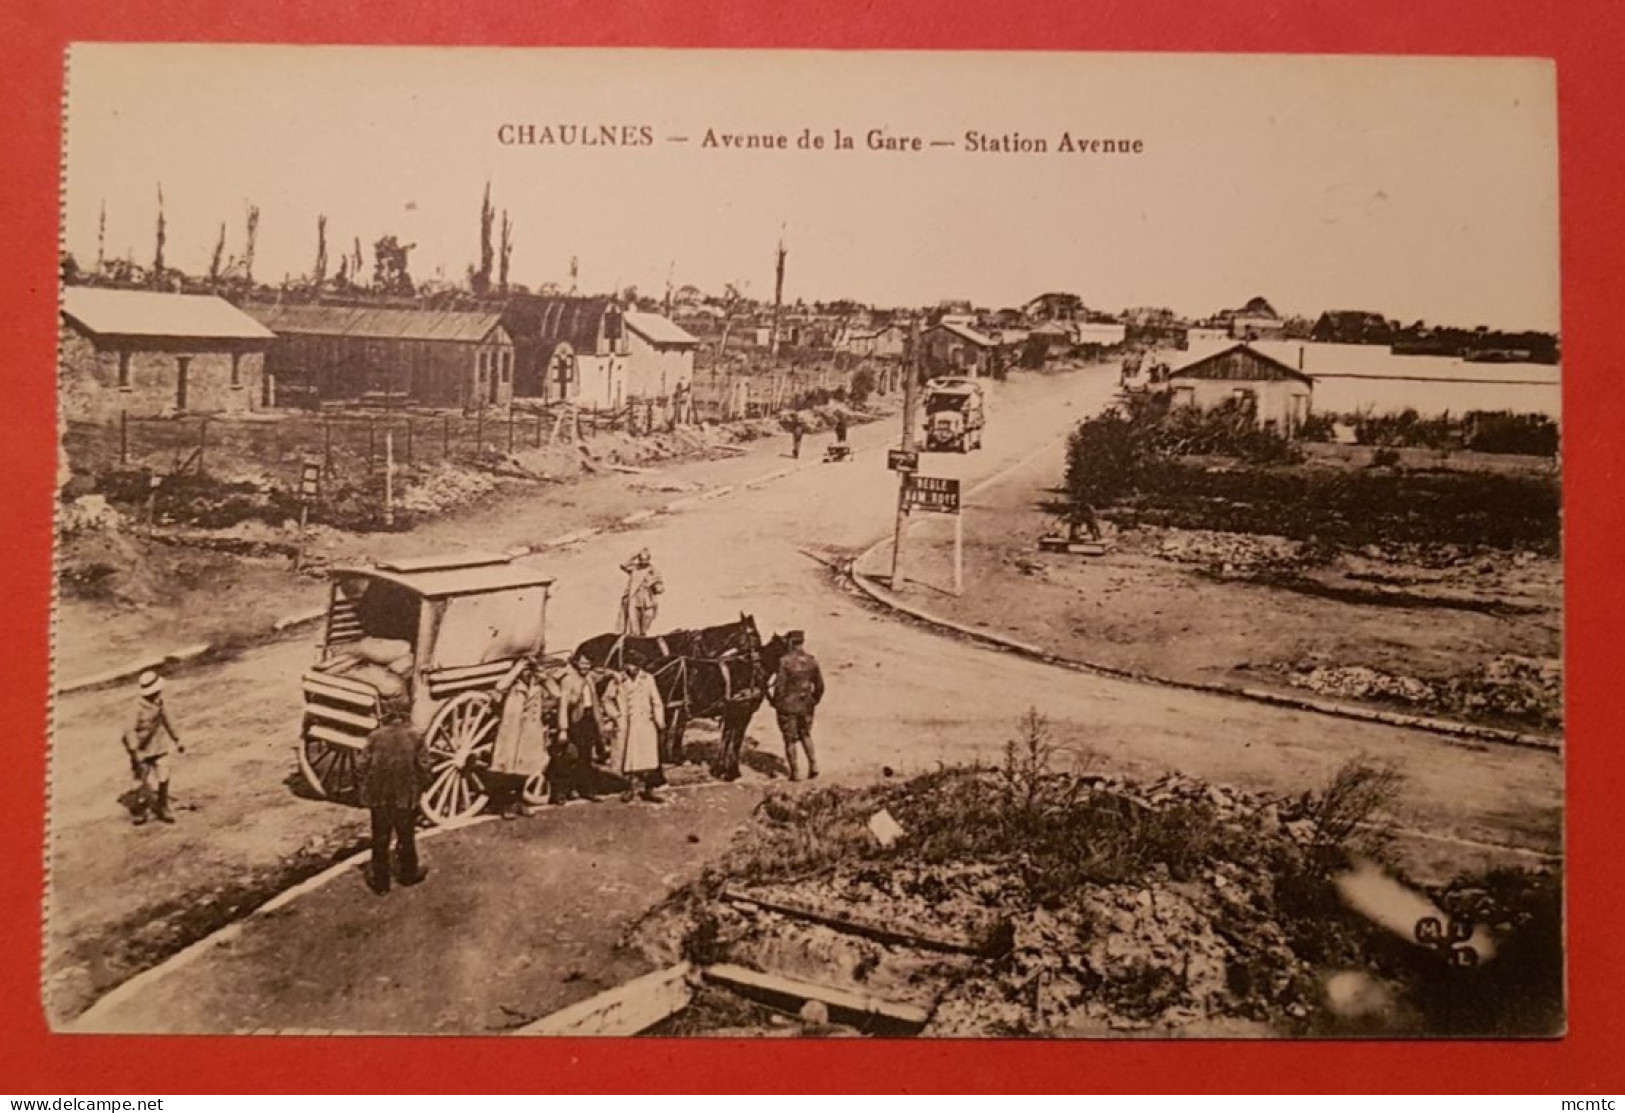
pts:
[333, 771]
[461, 740]
[535, 792]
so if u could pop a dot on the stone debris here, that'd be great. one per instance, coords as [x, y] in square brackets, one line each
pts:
[443, 487]
[1523, 690]
[1227, 553]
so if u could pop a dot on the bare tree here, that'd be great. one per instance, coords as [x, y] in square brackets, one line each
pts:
[480, 280]
[505, 252]
[252, 230]
[217, 260]
[318, 273]
[101, 239]
[157, 275]
[390, 266]
[732, 298]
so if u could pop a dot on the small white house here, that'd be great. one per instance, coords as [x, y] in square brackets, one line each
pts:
[1278, 394]
[660, 356]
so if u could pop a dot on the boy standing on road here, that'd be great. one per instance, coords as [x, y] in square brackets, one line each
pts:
[794, 691]
[147, 741]
[394, 770]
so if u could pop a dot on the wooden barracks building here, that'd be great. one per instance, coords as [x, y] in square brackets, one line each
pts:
[429, 357]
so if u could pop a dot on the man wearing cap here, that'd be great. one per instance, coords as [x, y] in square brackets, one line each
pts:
[147, 741]
[394, 771]
[639, 601]
[580, 736]
[794, 691]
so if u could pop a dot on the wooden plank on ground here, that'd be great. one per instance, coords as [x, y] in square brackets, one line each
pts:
[992, 944]
[844, 1007]
[626, 1010]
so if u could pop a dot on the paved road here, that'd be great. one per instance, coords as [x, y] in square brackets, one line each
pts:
[900, 695]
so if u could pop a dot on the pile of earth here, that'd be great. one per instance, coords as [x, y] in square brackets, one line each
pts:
[1175, 907]
[1522, 691]
[1077, 904]
[1223, 553]
[100, 558]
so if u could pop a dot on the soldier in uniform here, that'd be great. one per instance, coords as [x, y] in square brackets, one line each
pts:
[147, 741]
[394, 771]
[794, 690]
[640, 600]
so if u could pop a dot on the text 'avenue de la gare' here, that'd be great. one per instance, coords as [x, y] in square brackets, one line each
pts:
[807, 139]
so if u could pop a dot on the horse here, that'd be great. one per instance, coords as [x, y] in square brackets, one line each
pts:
[728, 687]
[711, 673]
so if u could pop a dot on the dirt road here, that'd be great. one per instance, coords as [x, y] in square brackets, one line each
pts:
[900, 696]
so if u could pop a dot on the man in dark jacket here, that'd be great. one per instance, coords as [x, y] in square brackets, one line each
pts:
[394, 771]
[794, 691]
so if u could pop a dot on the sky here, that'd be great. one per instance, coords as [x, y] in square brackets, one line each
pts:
[1421, 188]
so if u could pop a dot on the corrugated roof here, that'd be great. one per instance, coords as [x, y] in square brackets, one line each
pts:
[152, 313]
[657, 329]
[968, 333]
[577, 321]
[377, 322]
[1194, 366]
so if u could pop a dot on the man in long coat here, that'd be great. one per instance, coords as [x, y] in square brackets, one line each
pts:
[640, 600]
[643, 718]
[394, 771]
[795, 690]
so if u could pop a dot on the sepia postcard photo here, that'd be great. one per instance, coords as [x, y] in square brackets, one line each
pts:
[795, 544]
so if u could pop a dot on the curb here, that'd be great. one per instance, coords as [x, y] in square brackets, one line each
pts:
[287, 623]
[1256, 695]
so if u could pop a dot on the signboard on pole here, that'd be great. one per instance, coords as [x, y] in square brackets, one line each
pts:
[899, 460]
[310, 480]
[931, 493]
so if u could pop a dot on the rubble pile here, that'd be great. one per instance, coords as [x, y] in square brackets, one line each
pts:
[1357, 682]
[87, 514]
[1526, 691]
[1084, 903]
[1225, 553]
[443, 487]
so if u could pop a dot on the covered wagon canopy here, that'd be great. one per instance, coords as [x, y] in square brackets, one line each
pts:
[483, 608]
[459, 574]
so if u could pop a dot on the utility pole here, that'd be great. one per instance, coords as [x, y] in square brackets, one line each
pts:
[911, 376]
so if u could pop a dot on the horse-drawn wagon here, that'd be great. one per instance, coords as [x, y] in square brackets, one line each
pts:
[460, 639]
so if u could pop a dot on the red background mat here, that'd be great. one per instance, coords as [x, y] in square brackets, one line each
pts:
[1584, 36]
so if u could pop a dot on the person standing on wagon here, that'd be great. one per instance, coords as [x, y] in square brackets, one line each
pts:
[643, 717]
[640, 600]
[394, 771]
[147, 741]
